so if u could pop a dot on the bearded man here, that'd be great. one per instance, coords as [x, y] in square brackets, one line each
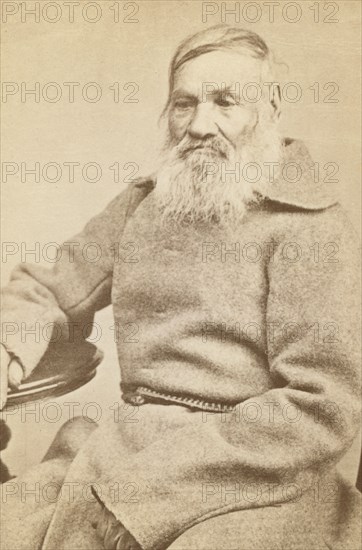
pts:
[246, 370]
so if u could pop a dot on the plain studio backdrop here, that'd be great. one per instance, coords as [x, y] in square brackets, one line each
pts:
[118, 53]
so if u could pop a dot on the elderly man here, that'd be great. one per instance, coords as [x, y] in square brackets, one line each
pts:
[245, 373]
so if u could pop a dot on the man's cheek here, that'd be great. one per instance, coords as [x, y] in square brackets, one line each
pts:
[237, 125]
[178, 125]
[230, 133]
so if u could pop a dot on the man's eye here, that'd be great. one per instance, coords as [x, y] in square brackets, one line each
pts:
[183, 104]
[223, 102]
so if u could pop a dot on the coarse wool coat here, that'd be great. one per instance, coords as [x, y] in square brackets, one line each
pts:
[264, 317]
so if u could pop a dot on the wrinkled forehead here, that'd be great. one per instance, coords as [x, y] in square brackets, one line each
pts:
[220, 68]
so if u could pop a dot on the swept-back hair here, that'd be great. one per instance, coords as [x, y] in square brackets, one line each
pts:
[220, 37]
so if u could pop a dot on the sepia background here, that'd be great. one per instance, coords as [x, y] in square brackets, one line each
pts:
[131, 55]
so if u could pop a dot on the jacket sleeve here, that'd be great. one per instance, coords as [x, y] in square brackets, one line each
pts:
[38, 298]
[290, 434]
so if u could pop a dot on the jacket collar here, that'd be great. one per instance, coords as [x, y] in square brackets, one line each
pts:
[305, 193]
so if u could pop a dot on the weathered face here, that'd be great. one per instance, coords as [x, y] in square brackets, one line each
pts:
[208, 99]
[214, 133]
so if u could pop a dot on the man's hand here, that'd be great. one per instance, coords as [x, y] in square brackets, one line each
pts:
[10, 373]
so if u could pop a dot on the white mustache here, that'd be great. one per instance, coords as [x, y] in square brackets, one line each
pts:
[212, 144]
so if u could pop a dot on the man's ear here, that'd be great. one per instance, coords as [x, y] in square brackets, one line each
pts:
[275, 100]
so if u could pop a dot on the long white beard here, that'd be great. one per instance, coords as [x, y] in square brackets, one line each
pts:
[211, 181]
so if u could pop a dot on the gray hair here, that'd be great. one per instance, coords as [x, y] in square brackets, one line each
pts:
[220, 37]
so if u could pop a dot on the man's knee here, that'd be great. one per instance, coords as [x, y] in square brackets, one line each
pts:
[70, 438]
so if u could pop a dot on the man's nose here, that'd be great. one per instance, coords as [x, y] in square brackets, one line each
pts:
[202, 124]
